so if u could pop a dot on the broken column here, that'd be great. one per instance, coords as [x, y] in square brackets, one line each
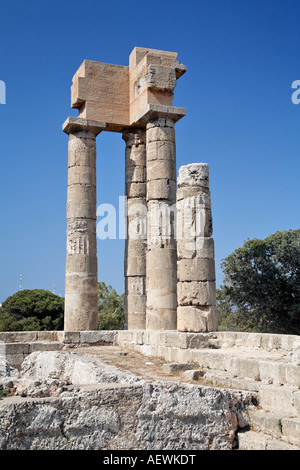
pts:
[81, 285]
[196, 288]
[136, 217]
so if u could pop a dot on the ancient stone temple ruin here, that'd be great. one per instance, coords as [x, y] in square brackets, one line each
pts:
[169, 380]
[169, 253]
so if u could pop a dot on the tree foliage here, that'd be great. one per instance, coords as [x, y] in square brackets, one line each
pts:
[111, 308]
[261, 289]
[32, 310]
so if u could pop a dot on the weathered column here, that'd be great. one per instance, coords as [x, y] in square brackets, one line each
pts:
[161, 257]
[136, 217]
[81, 297]
[196, 266]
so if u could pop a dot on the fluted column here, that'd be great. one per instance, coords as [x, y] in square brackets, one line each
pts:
[81, 282]
[136, 218]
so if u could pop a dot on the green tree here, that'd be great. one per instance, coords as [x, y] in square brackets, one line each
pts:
[29, 310]
[261, 289]
[111, 308]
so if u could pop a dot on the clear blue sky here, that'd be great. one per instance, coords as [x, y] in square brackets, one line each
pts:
[241, 57]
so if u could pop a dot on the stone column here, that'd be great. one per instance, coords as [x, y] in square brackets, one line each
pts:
[196, 287]
[136, 217]
[161, 257]
[81, 285]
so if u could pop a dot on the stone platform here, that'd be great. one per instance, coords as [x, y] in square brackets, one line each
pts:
[264, 365]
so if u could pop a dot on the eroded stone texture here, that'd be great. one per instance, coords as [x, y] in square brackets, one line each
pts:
[196, 289]
[71, 401]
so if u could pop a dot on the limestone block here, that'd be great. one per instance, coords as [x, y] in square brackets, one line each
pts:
[135, 174]
[160, 134]
[161, 223]
[158, 77]
[194, 222]
[80, 138]
[135, 155]
[135, 190]
[70, 337]
[193, 196]
[135, 266]
[136, 304]
[85, 281]
[161, 278]
[196, 319]
[17, 336]
[97, 337]
[136, 321]
[81, 263]
[81, 158]
[196, 293]
[160, 122]
[82, 225]
[161, 189]
[84, 308]
[103, 89]
[194, 174]
[196, 247]
[161, 169]
[47, 335]
[161, 319]
[135, 248]
[196, 269]
[161, 151]
[80, 242]
[135, 138]
[81, 210]
[136, 219]
[17, 348]
[81, 194]
[160, 258]
[153, 76]
[135, 285]
[156, 299]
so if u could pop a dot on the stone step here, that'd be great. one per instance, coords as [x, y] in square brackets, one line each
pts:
[282, 399]
[269, 368]
[279, 425]
[251, 440]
